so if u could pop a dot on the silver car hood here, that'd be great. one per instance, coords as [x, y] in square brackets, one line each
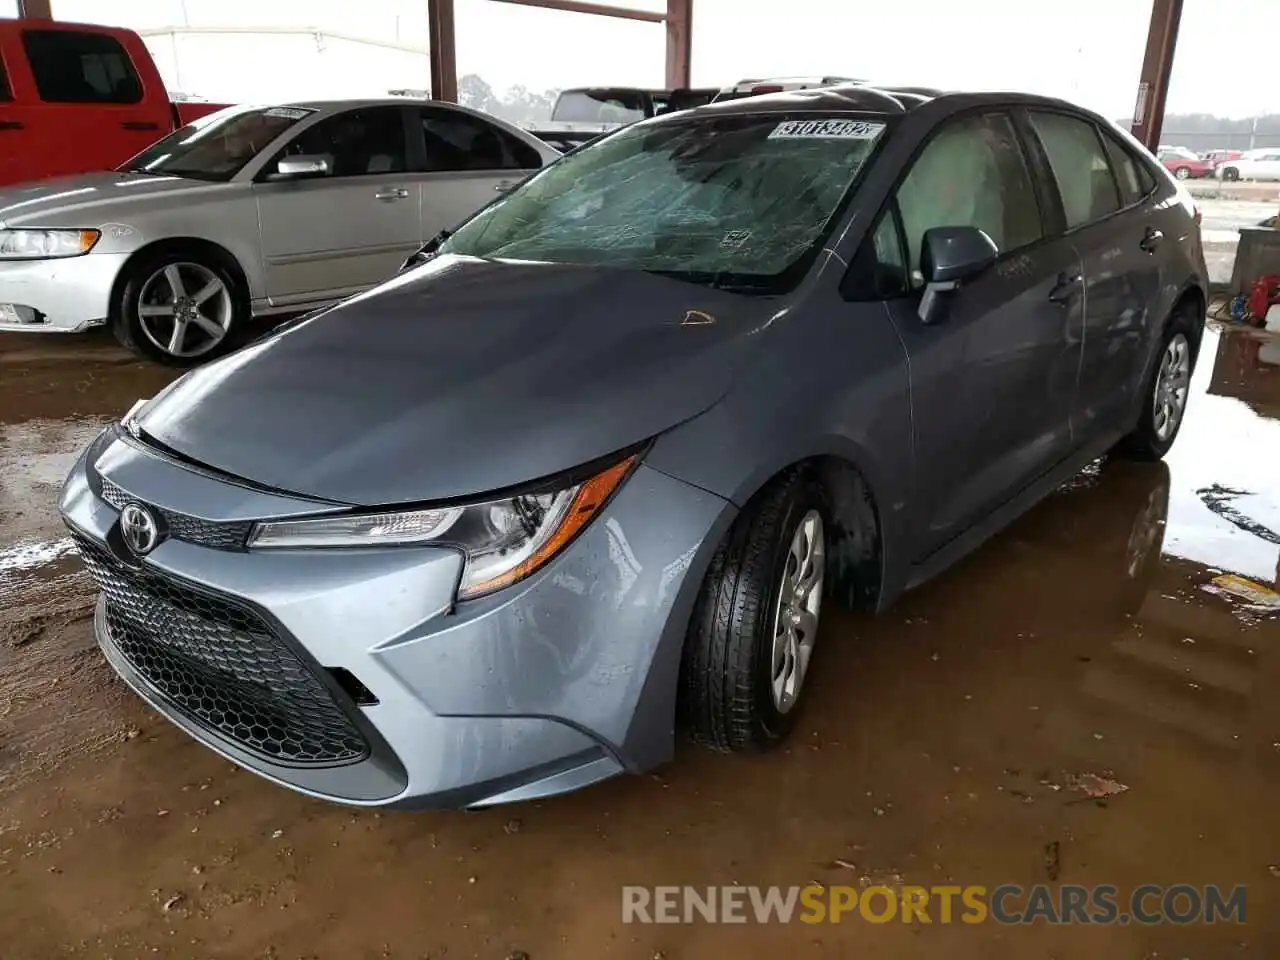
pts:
[87, 199]
[460, 378]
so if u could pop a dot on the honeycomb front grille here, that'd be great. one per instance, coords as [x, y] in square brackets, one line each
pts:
[222, 666]
[221, 535]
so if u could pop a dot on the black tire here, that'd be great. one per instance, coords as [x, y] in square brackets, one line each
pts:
[1144, 443]
[726, 701]
[1230, 174]
[1182, 173]
[126, 321]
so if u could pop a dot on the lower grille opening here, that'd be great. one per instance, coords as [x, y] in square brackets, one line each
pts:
[223, 666]
[352, 687]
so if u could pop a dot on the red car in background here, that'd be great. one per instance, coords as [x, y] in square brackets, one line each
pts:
[75, 98]
[1184, 164]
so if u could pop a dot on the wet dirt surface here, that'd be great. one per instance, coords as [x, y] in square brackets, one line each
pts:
[947, 741]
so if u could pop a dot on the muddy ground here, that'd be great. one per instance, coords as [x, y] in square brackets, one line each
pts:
[943, 742]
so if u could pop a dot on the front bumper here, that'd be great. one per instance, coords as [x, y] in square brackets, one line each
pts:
[560, 681]
[63, 295]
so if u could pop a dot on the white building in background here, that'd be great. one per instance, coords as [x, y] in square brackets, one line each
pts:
[273, 64]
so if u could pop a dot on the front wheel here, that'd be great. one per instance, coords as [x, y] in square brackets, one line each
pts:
[1166, 392]
[178, 307]
[1231, 174]
[755, 624]
[1182, 173]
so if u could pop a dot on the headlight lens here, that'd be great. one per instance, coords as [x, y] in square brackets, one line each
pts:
[504, 541]
[44, 244]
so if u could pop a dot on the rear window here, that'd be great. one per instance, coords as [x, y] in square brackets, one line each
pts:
[73, 66]
[599, 106]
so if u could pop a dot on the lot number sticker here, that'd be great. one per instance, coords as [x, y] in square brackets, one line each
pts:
[827, 130]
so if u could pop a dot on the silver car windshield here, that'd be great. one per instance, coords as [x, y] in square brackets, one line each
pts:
[734, 201]
[218, 146]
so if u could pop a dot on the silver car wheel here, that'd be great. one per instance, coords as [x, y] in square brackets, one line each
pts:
[795, 619]
[185, 309]
[1172, 382]
[1144, 533]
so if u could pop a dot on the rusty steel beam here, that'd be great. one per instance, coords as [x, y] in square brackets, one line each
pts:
[601, 9]
[679, 43]
[37, 9]
[1157, 67]
[444, 50]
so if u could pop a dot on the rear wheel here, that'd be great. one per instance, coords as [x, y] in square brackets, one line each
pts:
[755, 624]
[1166, 392]
[178, 307]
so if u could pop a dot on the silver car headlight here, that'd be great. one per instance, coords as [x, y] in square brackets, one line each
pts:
[46, 244]
[503, 540]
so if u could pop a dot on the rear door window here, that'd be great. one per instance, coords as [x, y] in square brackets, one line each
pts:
[1132, 176]
[973, 173]
[6, 92]
[459, 141]
[1080, 167]
[73, 66]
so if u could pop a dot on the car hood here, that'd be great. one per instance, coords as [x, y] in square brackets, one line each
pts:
[83, 200]
[459, 378]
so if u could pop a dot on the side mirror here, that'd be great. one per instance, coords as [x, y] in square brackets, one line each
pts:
[949, 257]
[303, 165]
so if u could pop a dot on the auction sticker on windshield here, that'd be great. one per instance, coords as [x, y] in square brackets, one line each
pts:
[827, 130]
[286, 113]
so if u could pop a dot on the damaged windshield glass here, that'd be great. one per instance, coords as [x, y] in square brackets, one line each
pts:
[737, 201]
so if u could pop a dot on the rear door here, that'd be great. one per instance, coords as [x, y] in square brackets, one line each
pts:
[466, 162]
[992, 384]
[89, 107]
[332, 235]
[1119, 244]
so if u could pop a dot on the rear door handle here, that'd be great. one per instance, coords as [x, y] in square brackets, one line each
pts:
[11, 125]
[392, 193]
[139, 125]
[1065, 289]
[1151, 240]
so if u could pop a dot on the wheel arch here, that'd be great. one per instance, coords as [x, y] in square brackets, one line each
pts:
[856, 550]
[193, 245]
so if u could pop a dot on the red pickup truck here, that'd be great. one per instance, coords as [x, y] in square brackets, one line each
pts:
[78, 97]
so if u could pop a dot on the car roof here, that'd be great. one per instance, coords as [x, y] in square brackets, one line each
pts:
[873, 98]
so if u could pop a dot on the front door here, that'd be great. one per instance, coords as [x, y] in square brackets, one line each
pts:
[992, 382]
[341, 232]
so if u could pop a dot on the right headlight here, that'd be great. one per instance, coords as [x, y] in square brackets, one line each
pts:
[503, 540]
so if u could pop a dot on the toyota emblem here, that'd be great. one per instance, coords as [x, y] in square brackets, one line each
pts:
[139, 529]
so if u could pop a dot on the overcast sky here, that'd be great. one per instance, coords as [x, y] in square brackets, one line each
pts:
[1085, 50]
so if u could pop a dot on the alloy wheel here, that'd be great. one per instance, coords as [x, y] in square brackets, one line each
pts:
[1169, 399]
[185, 309]
[795, 619]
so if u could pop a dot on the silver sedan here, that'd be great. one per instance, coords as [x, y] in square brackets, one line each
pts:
[249, 211]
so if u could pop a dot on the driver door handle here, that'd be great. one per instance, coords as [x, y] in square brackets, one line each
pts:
[1068, 282]
[1151, 240]
[502, 186]
[392, 193]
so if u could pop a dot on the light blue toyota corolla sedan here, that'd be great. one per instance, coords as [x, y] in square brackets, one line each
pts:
[590, 469]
